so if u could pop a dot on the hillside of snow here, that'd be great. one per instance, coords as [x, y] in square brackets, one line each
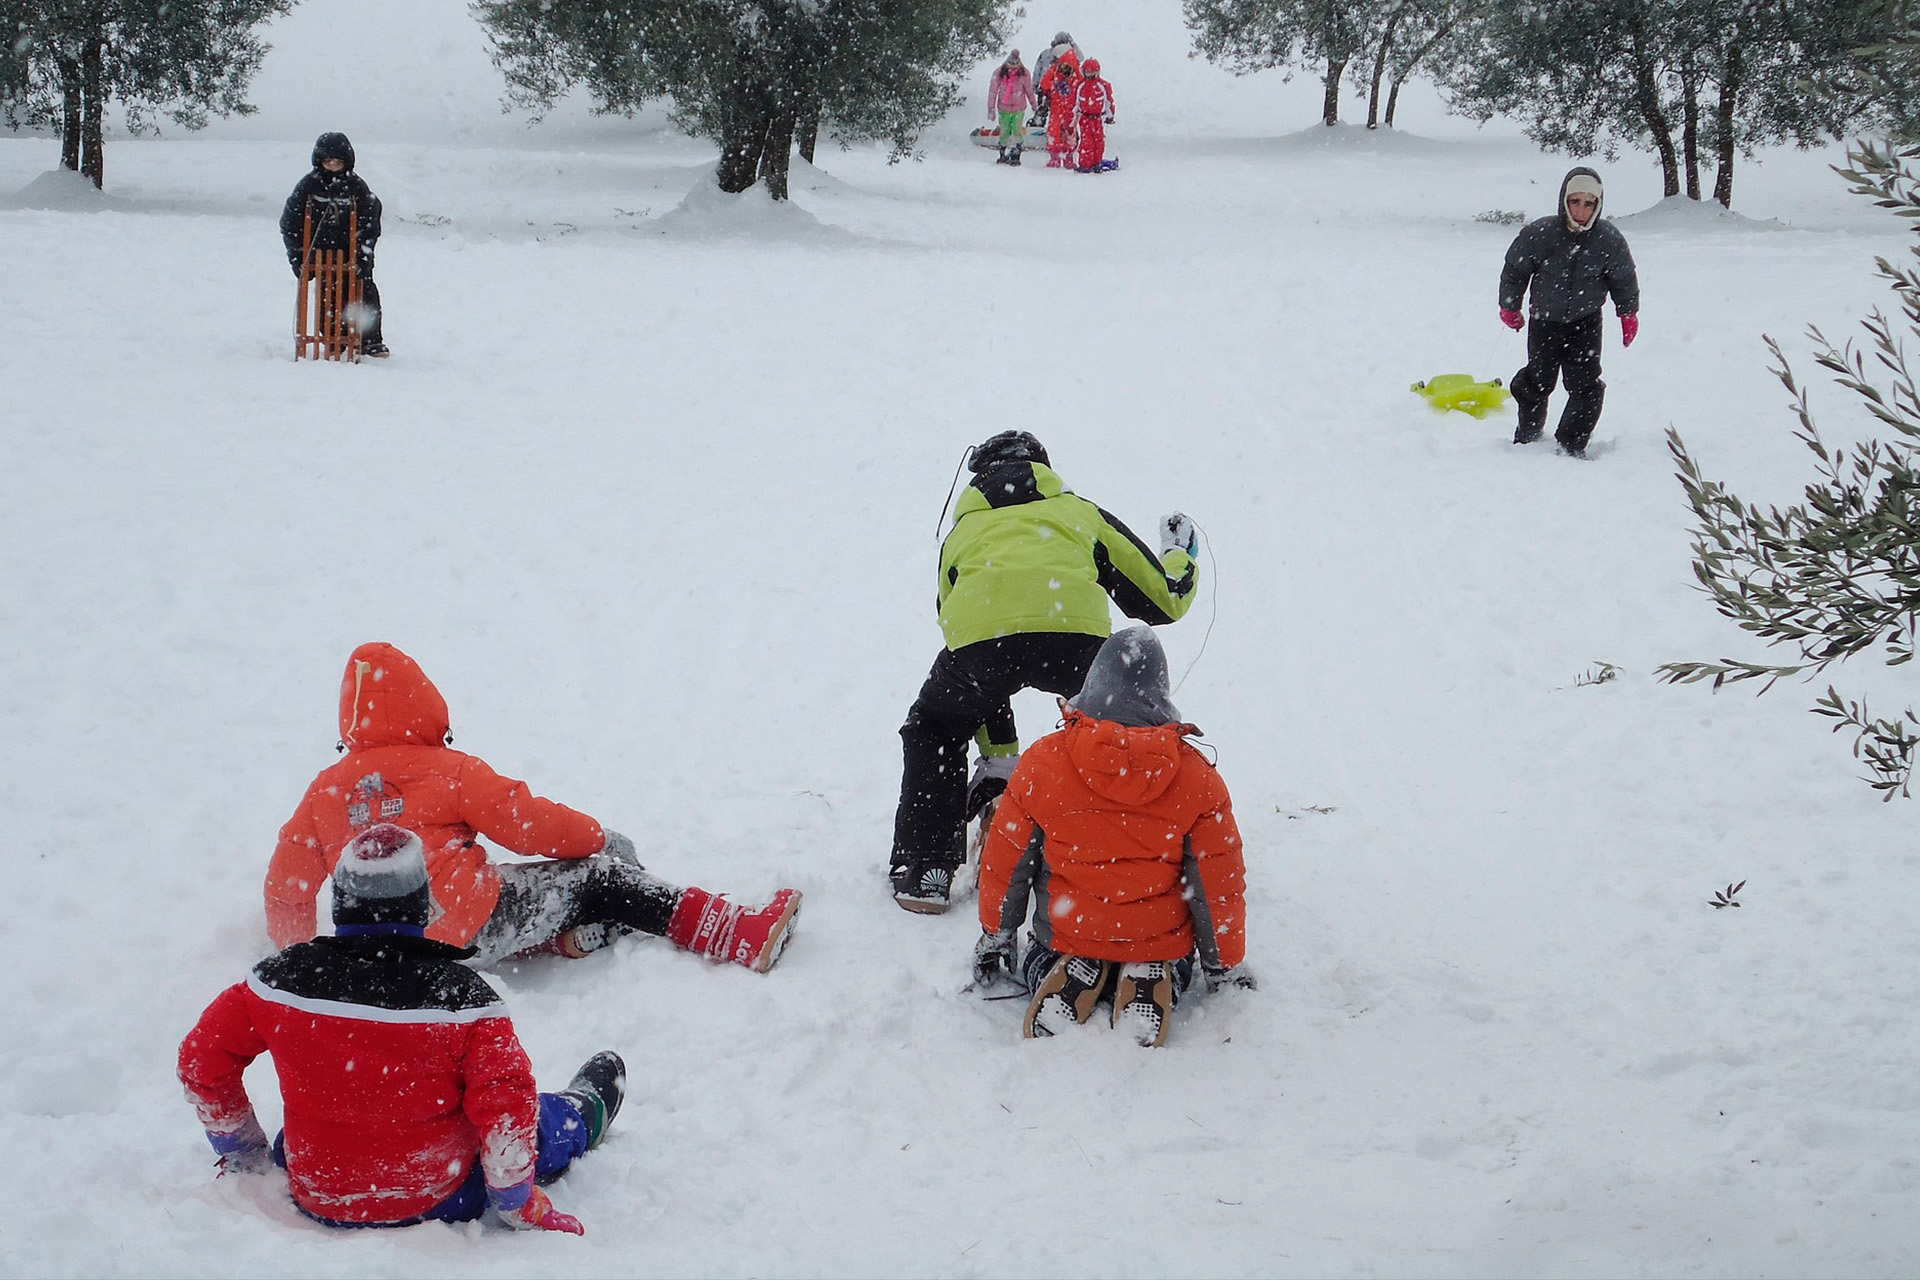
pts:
[650, 489]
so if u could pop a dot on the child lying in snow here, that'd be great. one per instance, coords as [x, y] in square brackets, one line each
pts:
[585, 889]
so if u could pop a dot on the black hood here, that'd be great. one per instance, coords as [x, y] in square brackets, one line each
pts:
[333, 146]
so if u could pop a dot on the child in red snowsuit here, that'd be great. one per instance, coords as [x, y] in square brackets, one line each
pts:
[1093, 109]
[1059, 84]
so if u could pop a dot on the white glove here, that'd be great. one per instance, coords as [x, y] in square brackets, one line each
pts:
[618, 846]
[1178, 534]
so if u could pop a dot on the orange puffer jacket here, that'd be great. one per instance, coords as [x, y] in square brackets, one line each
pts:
[1104, 823]
[399, 769]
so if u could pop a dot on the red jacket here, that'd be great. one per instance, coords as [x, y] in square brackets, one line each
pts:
[398, 1068]
[1102, 823]
[398, 769]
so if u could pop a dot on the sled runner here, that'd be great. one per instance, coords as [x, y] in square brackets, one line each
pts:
[967, 878]
[1461, 391]
[327, 306]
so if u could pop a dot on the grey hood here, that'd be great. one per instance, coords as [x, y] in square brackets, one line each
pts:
[1127, 683]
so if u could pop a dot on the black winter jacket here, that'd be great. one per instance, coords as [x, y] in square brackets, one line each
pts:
[1571, 272]
[332, 196]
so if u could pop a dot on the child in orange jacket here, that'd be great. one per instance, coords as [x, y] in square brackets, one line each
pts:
[1059, 84]
[585, 888]
[1122, 835]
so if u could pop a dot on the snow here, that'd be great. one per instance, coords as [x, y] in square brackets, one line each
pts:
[649, 488]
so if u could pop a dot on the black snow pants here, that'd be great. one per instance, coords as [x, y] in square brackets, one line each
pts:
[1555, 349]
[968, 688]
[543, 898]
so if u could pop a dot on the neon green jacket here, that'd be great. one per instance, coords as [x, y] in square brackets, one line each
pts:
[1026, 555]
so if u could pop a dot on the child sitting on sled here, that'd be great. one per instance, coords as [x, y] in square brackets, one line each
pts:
[1122, 835]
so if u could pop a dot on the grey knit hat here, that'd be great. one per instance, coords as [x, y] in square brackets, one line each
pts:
[381, 878]
[1127, 683]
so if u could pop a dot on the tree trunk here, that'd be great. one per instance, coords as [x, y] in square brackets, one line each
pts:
[1380, 67]
[1690, 126]
[1330, 105]
[1647, 98]
[809, 130]
[778, 153]
[1729, 97]
[1405, 72]
[70, 114]
[93, 148]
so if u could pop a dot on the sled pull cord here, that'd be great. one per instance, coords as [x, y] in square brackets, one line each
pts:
[1213, 606]
[964, 455]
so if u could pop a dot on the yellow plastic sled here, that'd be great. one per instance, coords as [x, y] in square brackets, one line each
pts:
[1461, 391]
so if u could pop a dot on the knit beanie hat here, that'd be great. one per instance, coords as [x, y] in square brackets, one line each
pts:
[1127, 683]
[381, 879]
[1007, 447]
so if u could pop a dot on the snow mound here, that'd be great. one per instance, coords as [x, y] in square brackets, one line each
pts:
[65, 191]
[1356, 137]
[708, 213]
[1678, 213]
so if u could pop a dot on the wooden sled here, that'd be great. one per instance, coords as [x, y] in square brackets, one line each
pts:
[327, 306]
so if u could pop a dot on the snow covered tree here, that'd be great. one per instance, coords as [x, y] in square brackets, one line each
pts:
[751, 74]
[1245, 36]
[1838, 574]
[69, 61]
[1729, 75]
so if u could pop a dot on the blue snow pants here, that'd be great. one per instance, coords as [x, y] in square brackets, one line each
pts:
[562, 1140]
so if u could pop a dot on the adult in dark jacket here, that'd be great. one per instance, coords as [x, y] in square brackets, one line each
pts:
[1025, 577]
[1567, 265]
[332, 193]
[407, 1095]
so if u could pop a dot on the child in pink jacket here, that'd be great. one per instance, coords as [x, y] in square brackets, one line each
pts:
[1009, 98]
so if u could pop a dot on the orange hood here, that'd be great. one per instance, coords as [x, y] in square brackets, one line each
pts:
[386, 700]
[1130, 765]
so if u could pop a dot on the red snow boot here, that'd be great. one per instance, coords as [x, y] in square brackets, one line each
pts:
[709, 925]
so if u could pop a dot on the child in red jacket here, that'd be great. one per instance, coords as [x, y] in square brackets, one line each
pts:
[1093, 108]
[585, 889]
[407, 1095]
[1122, 835]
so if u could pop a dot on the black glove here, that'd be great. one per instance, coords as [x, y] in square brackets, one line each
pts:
[993, 959]
[619, 846]
[1238, 976]
[293, 260]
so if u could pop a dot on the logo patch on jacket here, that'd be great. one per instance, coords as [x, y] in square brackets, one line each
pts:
[371, 802]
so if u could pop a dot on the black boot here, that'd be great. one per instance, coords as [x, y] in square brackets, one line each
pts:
[597, 1090]
[924, 888]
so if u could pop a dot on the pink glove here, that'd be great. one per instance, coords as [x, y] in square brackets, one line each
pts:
[1512, 319]
[1629, 328]
[526, 1208]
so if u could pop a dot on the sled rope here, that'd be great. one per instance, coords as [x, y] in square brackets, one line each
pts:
[1213, 609]
[952, 489]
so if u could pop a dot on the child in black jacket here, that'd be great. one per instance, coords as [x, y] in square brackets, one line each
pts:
[332, 193]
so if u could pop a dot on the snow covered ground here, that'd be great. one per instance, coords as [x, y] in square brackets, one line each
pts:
[650, 489]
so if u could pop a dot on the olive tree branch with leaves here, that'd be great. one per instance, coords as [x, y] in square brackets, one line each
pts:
[1839, 573]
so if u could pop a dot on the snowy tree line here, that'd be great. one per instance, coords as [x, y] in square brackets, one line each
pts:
[1687, 80]
[64, 63]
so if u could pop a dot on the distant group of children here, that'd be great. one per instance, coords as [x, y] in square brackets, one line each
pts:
[1068, 98]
